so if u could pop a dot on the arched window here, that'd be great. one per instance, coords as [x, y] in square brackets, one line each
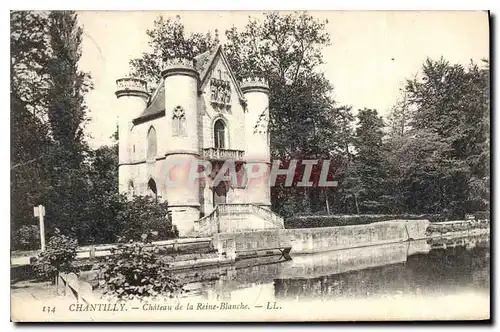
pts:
[220, 134]
[179, 122]
[153, 191]
[152, 144]
[131, 191]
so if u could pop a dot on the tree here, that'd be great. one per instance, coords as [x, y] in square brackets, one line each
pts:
[67, 111]
[452, 104]
[100, 224]
[287, 50]
[399, 118]
[67, 116]
[30, 54]
[368, 179]
[30, 139]
[168, 39]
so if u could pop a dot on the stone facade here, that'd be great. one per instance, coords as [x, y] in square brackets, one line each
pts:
[198, 111]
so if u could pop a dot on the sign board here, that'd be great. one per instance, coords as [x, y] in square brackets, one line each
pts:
[39, 212]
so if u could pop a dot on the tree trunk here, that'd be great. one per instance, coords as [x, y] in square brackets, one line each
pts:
[356, 202]
[327, 203]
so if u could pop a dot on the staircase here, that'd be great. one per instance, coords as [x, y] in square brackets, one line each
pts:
[226, 218]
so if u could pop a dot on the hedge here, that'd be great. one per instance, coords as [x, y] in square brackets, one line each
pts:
[346, 220]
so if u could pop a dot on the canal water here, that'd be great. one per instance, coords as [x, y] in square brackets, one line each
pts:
[416, 269]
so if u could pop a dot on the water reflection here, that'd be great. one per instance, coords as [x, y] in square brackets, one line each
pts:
[437, 266]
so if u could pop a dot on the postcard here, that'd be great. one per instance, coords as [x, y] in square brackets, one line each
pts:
[218, 166]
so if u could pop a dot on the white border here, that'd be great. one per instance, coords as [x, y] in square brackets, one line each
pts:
[194, 5]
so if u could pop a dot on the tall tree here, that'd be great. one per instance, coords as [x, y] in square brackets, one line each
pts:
[100, 224]
[369, 161]
[452, 102]
[67, 111]
[168, 39]
[30, 140]
[67, 116]
[287, 50]
[399, 118]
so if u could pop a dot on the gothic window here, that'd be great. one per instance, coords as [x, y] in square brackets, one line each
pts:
[152, 144]
[179, 122]
[130, 189]
[153, 191]
[262, 123]
[219, 134]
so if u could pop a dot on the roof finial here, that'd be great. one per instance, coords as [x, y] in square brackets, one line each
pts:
[216, 40]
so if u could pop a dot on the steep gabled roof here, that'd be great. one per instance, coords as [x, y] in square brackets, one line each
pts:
[210, 63]
[204, 62]
[156, 105]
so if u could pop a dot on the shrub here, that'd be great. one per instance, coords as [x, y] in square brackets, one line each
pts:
[135, 271]
[346, 220]
[57, 257]
[482, 215]
[27, 238]
[145, 215]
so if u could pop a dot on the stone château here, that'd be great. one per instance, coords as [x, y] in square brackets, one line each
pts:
[197, 111]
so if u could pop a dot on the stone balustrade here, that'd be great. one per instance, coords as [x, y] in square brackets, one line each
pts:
[251, 209]
[268, 215]
[209, 224]
[132, 84]
[223, 154]
[179, 62]
[254, 81]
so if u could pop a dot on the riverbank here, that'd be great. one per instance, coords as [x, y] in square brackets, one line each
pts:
[385, 275]
[312, 240]
[225, 248]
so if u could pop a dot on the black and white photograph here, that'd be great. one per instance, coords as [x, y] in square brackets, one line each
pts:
[250, 166]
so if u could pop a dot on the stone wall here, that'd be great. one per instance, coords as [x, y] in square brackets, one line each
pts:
[310, 240]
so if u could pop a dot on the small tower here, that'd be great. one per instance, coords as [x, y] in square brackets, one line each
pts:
[257, 149]
[181, 81]
[132, 94]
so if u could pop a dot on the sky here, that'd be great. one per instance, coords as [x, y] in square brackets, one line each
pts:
[370, 56]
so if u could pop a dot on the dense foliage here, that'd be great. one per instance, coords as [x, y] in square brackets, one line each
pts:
[134, 271]
[144, 215]
[50, 158]
[57, 257]
[28, 237]
[51, 162]
[347, 220]
[440, 162]
[431, 155]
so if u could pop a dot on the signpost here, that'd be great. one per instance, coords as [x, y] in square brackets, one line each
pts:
[40, 212]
